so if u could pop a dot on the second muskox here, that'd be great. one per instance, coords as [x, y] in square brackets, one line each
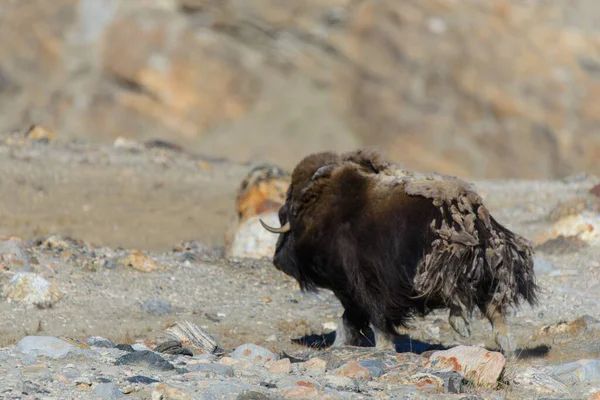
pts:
[392, 244]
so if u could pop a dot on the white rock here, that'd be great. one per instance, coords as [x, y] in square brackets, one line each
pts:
[48, 346]
[251, 240]
[31, 290]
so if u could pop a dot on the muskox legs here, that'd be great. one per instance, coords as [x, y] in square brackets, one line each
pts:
[351, 326]
[459, 321]
[502, 335]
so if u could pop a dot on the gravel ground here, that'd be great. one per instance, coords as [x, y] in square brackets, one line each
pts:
[98, 285]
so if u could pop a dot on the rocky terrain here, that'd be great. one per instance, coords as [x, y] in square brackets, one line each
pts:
[481, 89]
[107, 249]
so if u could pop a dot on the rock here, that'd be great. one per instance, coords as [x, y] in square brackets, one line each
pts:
[192, 336]
[584, 226]
[143, 380]
[98, 341]
[301, 390]
[140, 261]
[36, 372]
[254, 353]
[374, 367]
[283, 366]
[127, 144]
[250, 394]
[40, 133]
[32, 290]
[534, 378]
[315, 364]
[166, 392]
[157, 307]
[453, 382]
[252, 240]
[569, 329]
[209, 368]
[48, 346]
[353, 370]
[146, 359]
[108, 391]
[261, 191]
[482, 366]
[15, 255]
[341, 383]
[173, 347]
[125, 347]
[583, 371]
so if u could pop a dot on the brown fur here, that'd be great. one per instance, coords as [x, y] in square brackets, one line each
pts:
[392, 243]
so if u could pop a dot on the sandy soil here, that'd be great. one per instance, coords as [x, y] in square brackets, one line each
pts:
[156, 198]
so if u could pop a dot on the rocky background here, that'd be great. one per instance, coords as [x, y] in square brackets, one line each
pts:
[135, 141]
[492, 89]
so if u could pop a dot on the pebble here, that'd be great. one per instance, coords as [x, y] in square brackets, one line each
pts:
[147, 359]
[209, 368]
[38, 372]
[48, 346]
[316, 365]
[108, 391]
[582, 371]
[32, 290]
[253, 353]
[283, 366]
[140, 262]
[143, 380]
[99, 341]
[477, 363]
[157, 307]
[341, 383]
[374, 367]
[353, 370]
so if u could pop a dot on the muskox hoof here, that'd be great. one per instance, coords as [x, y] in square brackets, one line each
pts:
[460, 324]
[383, 341]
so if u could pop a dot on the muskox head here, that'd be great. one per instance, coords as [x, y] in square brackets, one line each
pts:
[304, 209]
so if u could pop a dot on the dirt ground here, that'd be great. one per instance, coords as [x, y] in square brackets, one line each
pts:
[117, 200]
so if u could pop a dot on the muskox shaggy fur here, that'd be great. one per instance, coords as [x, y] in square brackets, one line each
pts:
[392, 244]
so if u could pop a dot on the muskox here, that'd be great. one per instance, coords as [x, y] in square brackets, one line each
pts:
[392, 244]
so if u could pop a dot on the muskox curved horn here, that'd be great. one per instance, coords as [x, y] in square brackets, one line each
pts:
[285, 228]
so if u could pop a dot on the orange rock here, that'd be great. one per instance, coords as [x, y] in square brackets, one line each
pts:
[140, 261]
[38, 132]
[482, 366]
[315, 364]
[262, 190]
[283, 366]
[353, 370]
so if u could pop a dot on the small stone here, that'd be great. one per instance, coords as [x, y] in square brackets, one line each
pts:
[99, 341]
[453, 382]
[266, 299]
[48, 346]
[283, 366]
[533, 378]
[353, 370]
[127, 144]
[375, 367]
[472, 362]
[32, 290]
[164, 392]
[173, 347]
[253, 353]
[157, 307]
[143, 380]
[40, 133]
[341, 383]
[125, 347]
[37, 372]
[301, 390]
[228, 361]
[316, 365]
[582, 371]
[216, 369]
[140, 261]
[108, 391]
[145, 358]
[255, 395]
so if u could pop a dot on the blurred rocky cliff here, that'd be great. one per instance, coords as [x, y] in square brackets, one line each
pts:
[481, 89]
